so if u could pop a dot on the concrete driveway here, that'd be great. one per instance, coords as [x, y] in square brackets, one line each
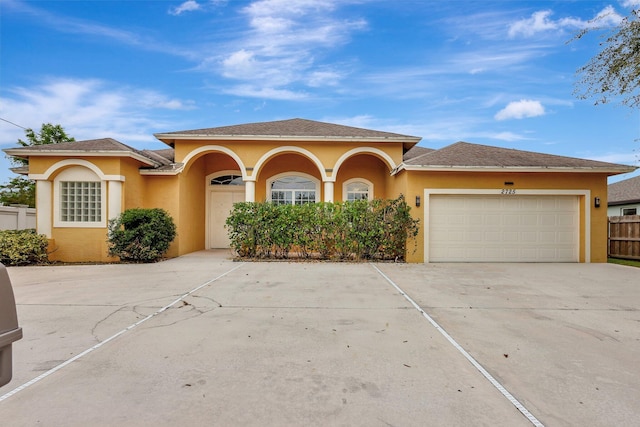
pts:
[202, 340]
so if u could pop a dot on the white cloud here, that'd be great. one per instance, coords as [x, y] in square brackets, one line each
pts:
[87, 109]
[538, 22]
[541, 22]
[187, 6]
[281, 46]
[324, 78]
[255, 91]
[520, 110]
[91, 28]
[620, 158]
[630, 3]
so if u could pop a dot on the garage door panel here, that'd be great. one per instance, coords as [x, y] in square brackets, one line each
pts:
[487, 228]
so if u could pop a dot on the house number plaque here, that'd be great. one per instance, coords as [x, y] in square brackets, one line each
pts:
[508, 191]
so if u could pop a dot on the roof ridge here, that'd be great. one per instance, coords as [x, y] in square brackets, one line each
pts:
[287, 127]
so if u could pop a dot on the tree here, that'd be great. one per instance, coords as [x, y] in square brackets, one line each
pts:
[20, 190]
[615, 71]
[49, 134]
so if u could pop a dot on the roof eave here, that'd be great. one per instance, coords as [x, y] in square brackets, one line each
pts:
[171, 138]
[623, 202]
[444, 168]
[176, 168]
[25, 153]
[20, 170]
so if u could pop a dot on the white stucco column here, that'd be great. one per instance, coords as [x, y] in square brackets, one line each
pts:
[328, 191]
[114, 206]
[249, 191]
[44, 206]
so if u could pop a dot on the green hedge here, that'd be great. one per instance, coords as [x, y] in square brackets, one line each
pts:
[376, 229]
[23, 247]
[141, 235]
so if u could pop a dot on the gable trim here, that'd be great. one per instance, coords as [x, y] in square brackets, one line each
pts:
[75, 162]
[79, 153]
[289, 149]
[214, 148]
[364, 150]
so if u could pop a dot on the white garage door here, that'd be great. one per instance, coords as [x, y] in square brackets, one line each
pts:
[487, 228]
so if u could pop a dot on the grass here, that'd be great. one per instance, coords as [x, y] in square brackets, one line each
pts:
[628, 262]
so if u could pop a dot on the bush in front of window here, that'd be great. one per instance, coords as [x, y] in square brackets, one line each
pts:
[23, 247]
[362, 229]
[141, 235]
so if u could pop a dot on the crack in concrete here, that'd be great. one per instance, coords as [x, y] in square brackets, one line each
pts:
[208, 298]
[99, 322]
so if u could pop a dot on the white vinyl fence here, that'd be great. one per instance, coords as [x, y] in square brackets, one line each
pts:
[17, 217]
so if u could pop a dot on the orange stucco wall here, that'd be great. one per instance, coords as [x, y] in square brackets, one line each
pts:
[163, 192]
[184, 195]
[191, 221]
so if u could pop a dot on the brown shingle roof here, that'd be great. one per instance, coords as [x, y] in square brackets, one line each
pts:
[627, 191]
[167, 153]
[301, 128]
[102, 144]
[466, 155]
[164, 157]
[416, 151]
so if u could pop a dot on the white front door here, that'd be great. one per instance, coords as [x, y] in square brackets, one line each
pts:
[220, 205]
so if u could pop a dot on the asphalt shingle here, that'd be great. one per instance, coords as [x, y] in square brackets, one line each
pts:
[291, 127]
[464, 154]
[627, 191]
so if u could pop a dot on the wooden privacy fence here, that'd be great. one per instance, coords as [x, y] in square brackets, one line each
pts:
[624, 237]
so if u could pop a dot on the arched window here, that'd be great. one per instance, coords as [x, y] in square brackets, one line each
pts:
[357, 189]
[293, 189]
[231, 179]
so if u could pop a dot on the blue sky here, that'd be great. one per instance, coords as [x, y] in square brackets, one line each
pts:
[491, 72]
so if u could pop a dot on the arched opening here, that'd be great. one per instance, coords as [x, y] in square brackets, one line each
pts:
[282, 169]
[369, 170]
[209, 187]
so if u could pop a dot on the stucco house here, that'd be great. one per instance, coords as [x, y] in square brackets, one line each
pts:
[474, 202]
[624, 197]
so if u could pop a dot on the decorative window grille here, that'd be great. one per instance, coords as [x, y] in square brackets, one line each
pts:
[80, 201]
[227, 180]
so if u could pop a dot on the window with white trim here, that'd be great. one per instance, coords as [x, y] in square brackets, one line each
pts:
[293, 190]
[357, 189]
[629, 211]
[80, 201]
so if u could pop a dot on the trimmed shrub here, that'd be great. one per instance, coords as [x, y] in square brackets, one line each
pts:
[378, 229]
[23, 247]
[141, 235]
